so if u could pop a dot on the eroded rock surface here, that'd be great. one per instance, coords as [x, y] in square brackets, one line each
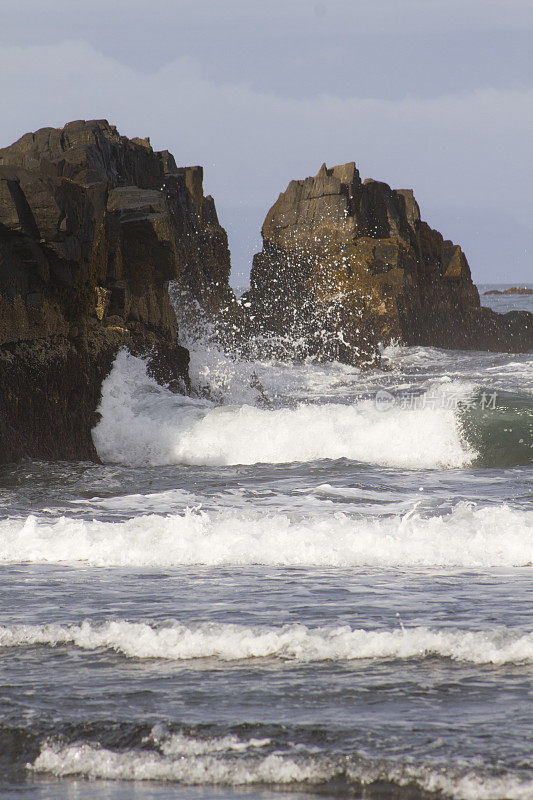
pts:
[93, 226]
[347, 264]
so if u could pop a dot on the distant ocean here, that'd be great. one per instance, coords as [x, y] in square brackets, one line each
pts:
[322, 587]
[507, 302]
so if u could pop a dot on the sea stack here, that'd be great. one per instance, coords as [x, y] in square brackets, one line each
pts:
[347, 264]
[93, 226]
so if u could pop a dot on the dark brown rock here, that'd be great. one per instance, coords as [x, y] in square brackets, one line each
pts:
[347, 264]
[93, 226]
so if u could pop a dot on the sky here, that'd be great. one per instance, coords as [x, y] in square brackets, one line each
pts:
[434, 95]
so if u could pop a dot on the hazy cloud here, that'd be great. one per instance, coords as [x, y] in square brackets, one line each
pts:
[463, 149]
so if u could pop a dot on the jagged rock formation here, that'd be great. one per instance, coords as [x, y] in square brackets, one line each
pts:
[346, 264]
[93, 226]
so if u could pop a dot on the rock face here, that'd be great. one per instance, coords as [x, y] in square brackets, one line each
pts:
[93, 226]
[346, 264]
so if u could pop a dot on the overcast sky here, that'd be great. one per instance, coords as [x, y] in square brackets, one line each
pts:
[436, 95]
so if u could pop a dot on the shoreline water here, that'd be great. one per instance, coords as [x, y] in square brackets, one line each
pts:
[347, 612]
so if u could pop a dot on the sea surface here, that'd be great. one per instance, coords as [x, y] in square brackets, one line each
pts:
[303, 581]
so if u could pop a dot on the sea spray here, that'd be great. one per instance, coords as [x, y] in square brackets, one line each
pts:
[143, 423]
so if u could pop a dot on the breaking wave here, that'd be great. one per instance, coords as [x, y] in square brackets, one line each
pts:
[228, 761]
[145, 424]
[230, 642]
[468, 537]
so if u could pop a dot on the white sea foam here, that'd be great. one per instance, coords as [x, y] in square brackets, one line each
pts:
[229, 642]
[95, 762]
[158, 502]
[468, 537]
[499, 371]
[143, 423]
[284, 769]
[180, 744]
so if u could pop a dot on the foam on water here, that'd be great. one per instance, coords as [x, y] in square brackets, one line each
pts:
[145, 424]
[496, 536]
[182, 744]
[139, 503]
[402, 515]
[500, 371]
[230, 642]
[221, 766]
[94, 762]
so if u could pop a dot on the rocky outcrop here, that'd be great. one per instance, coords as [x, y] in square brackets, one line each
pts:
[93, 226]
[347, 264]
[511, 290]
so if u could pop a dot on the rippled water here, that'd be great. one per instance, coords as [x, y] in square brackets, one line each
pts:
[311, 580]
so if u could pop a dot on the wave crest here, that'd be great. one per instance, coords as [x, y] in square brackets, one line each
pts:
[146, 424]
[222, 766]
[229, 642]
[468, 537]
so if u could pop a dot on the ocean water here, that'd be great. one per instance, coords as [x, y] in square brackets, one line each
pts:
[304, 580]
[504, 303]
